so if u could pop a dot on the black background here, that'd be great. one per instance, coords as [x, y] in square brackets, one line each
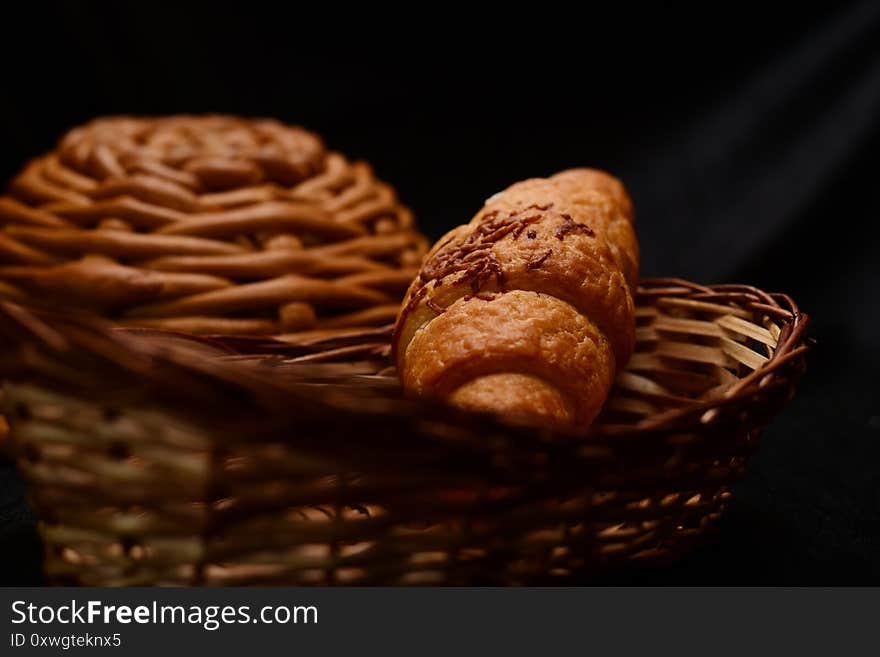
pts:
[749, 138]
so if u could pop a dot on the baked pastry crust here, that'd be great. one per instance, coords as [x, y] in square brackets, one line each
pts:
[527, 310]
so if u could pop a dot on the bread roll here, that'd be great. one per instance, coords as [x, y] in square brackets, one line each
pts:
[527, 311]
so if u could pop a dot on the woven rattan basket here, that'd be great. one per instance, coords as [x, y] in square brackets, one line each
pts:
[207, 224]
[155, 458]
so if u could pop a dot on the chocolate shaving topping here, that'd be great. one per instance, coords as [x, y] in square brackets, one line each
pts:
[485, 269]
[482, 296]
[537, 262]
[433, 305]
[472, 254]
[416, 298]
[569, 225]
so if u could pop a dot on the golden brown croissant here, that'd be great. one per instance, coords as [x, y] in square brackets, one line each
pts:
[527, 311]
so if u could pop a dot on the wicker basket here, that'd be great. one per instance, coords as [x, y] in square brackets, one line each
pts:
[155, 458]
[207, 224]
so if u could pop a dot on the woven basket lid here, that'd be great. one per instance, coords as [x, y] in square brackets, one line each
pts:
[207, 224]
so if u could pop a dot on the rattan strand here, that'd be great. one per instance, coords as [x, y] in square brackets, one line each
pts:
[155, 459]
[210, 225]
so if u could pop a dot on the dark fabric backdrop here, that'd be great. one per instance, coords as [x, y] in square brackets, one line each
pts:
[748, 137]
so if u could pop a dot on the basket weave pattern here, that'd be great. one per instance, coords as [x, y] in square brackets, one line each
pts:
[207, 225]
[154, 459]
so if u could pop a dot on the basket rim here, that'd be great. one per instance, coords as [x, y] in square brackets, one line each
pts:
[791, 343]
[62, 334]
